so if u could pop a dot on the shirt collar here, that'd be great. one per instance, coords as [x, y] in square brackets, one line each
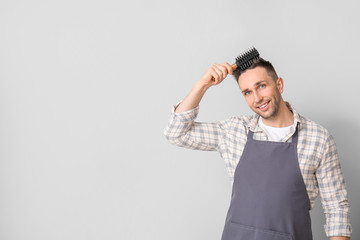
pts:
[254, 123]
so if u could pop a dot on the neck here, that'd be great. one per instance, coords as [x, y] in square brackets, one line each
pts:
[283, 118]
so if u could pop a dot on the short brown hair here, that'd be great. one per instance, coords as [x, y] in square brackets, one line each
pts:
[258, 63]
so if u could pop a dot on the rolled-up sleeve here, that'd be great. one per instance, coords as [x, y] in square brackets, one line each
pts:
[333, 192]
[182, 130]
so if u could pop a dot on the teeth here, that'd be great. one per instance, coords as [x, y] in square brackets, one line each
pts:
[262, 106]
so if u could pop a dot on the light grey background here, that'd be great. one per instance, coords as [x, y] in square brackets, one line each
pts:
[86, 89]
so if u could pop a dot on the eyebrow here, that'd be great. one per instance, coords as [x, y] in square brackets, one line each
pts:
[256, 84]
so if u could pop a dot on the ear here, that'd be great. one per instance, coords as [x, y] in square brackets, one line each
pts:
[280, 85]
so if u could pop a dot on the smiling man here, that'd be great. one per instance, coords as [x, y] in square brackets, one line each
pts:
[279, 161]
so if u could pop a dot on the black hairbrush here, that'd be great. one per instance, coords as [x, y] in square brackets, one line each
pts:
[246, 59]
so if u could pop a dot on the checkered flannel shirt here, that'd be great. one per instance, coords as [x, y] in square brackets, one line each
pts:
[317, 155]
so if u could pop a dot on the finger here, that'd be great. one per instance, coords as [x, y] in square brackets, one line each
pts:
[221, 71]
[228, 67]
[214, 75]
[224, 70]
[217, 73]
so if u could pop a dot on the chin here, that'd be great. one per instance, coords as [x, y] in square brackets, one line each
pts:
[266, 115]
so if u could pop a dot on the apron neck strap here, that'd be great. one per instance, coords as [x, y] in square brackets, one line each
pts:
[294, 138]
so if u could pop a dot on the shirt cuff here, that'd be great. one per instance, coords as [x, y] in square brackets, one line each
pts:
[343, 230]
[186, 116]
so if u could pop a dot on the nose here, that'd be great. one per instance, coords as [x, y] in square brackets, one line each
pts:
[257, 97]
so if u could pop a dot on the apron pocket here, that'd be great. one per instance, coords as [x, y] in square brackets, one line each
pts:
[237, 231]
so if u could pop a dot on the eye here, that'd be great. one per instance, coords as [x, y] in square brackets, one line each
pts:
[247, 93]
[262, 86]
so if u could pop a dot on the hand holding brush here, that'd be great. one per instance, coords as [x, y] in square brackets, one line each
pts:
[214, 76]
[218, 72]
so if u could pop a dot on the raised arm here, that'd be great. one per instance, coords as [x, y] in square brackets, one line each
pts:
[182, 130]
[213, 76]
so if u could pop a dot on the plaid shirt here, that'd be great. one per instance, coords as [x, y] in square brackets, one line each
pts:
[317, 155]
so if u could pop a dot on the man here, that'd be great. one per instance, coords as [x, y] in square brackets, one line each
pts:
[278, 160]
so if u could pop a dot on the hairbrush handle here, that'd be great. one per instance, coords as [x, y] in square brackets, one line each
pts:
[234, 67]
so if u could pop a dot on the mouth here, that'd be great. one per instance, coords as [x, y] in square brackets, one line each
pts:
[264, 106]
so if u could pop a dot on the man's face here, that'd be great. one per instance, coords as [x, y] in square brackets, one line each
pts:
[261, 92]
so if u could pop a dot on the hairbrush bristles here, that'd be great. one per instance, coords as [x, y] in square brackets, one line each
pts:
[247, 58]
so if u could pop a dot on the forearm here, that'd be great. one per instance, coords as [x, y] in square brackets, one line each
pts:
[333, 193]
[182, 130]
[193, 99]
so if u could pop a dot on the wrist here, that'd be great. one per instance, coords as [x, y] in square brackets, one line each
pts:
[201, 86]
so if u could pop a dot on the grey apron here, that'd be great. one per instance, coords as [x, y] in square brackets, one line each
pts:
[269, 198]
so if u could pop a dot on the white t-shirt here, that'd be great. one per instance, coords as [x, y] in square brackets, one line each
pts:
[274, 134]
